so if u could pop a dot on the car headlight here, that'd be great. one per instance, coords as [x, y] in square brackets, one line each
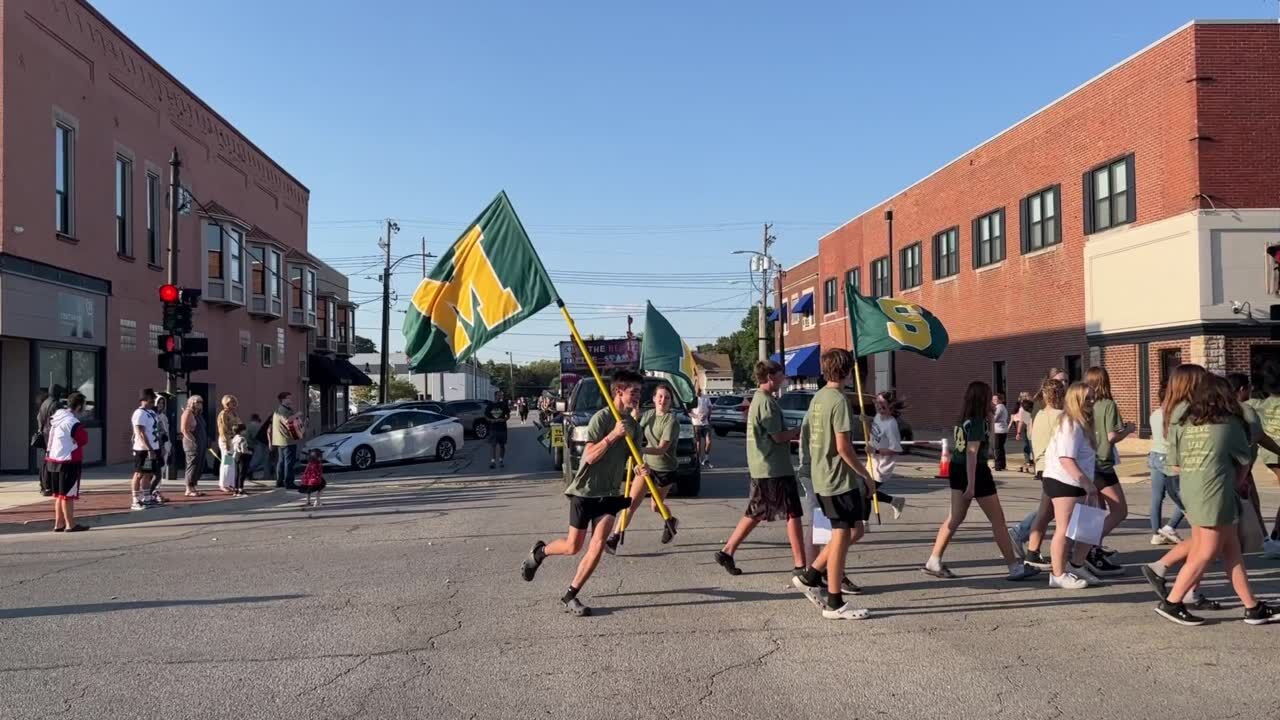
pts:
[331, 446]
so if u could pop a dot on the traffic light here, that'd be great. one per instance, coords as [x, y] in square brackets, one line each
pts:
[180, 354]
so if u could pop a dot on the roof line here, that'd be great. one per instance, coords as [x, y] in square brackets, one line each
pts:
[164, 71]
[1073, 91]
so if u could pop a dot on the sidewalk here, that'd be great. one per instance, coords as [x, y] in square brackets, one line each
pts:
[104, 490]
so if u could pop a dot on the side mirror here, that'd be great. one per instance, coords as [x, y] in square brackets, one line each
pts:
[560, 406]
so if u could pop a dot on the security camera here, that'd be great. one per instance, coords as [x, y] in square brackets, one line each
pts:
[1237, 307]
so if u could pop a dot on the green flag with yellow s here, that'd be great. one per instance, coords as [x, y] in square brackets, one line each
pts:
[485, 284]
[887, 324]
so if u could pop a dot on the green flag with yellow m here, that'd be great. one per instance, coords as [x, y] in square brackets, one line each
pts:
[485, 284]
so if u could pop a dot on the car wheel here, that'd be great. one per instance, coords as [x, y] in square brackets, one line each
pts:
[362, 458]
[721, 431]
[689, 485]
[445, 449]
[480, 429]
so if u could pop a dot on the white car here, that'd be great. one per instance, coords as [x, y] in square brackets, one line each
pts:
[388, 436]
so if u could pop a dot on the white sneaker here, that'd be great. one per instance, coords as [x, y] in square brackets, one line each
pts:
[1019, 542]
[1067, 581]
[1083, 573]
[1158, 539]
[1170, 534]
[897, 505]
[1271, 548]
[137, 505]
[846, 612]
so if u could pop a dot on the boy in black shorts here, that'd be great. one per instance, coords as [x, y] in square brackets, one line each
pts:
[596, 492]
[496, 414]
[842, 486]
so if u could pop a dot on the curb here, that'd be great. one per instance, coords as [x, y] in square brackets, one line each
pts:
[169, 511]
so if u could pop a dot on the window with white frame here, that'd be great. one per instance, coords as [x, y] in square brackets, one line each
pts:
[124, 177]
[333, 319]
[224, 263]
[63, 180]
[257, 270]
[322, 318]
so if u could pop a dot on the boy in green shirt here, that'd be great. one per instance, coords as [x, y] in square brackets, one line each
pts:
[841, 484]
[774, 490]
[596, 492]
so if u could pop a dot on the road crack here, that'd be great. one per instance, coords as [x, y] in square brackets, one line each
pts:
[757, 661]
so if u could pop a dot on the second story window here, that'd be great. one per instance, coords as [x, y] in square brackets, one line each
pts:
[988, 239]
[322, 319]
[1040, 226]
[257, 270]
[153, 218]
[333, 318]
[853, 277]
[124, 174]
[213, 246]
[1109, 198]
[274, 278]
[63, 145]
[909, 260]
[946, 253]
[879, 277]
[829, 303]
[295, 287]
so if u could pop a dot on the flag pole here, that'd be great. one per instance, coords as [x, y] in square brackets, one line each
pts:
[857, 381]
[626, 490]
[608, 399]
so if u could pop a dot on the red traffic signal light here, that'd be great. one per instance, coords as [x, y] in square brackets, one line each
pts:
[169, 344]
[169, 293]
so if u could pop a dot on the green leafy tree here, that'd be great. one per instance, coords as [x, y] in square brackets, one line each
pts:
[363, 345]
[742, 347]
[399, 389]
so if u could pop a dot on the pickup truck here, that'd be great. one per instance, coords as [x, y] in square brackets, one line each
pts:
[585, 400]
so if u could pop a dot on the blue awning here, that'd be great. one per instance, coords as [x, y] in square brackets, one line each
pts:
[773, 316]
[805, 304]
[805, 362]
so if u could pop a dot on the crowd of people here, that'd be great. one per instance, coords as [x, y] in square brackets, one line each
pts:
[1207, 435]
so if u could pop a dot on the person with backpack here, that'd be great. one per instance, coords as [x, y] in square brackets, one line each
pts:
[65, 458]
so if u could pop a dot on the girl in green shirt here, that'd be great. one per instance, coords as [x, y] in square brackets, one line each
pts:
[661, 430]
[1210, 445]
[1108, 430]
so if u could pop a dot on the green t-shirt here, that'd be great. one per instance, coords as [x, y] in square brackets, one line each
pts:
[766, 458]
[1207, 456]
[971, 430]
[1106, 420]
[1254, 421]
[805, 465]
[828, 416]
[608, 475]
[657, 430]
[1268, 410]
[1042, 430]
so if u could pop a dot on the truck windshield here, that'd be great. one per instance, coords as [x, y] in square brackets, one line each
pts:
[587, 398]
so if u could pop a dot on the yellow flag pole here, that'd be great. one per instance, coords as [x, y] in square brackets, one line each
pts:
[862, 409]
[608, 399]
[626, 490]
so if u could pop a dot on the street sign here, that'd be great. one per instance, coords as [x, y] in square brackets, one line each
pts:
[557, 436]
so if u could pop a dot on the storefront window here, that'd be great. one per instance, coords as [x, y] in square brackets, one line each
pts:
[64, 371]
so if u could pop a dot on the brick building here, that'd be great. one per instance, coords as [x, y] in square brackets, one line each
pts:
[1126, 224]
[796, 327]
[87, 125]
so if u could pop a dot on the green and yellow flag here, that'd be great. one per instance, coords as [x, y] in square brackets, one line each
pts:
[887, 324]
[485, 284]
[665, 355]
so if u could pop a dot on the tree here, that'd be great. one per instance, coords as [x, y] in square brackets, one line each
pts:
[742, 346]
[399, 389]
[363, 345]
[530, 379]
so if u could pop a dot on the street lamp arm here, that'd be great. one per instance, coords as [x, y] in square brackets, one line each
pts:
[409, 257]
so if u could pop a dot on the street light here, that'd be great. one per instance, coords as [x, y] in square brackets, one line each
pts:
[766, 263]
[385, 365]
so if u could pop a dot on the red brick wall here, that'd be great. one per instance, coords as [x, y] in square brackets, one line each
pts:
[1029, 310]
[1239, 351]
[1239, 110]
[1121, 363]
[796, 280]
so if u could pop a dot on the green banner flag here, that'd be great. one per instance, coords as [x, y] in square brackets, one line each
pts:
[665, 355]
[485, 284]
[887, 324]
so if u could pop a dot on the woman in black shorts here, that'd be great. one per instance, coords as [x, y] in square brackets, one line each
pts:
[1069, 466]
[971, 479]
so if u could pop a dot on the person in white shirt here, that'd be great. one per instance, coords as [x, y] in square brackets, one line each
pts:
[999, 429]
[886, 446]
[1069, 466]
[146, 450]
[701, 417]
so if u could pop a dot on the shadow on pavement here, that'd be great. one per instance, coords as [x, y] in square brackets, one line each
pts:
[52, 610]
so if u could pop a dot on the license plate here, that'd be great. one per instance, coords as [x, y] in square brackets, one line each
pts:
[557, 436]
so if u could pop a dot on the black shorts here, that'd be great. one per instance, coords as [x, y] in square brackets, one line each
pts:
[845, 510]
[985, 486]
[701, 431]
[773, 498]
[1105, 478]
[583, 511]
[663, 479]
[1058, 489]
[498, 434]
[144, 462]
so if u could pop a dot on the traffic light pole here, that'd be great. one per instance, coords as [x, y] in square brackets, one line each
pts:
[171, 380]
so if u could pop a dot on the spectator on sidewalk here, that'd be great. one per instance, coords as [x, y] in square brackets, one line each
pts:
[240, 451]
[195, 443]
[257, 445]
[227, 421]
[999, 429]
[66, 441]
[286, 431]
[47, 403]
[146, 452]
[165, 438]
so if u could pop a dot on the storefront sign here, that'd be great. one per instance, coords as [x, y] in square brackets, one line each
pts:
[75, 316]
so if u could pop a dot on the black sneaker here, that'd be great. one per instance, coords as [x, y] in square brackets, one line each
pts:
[529, 567]
[1099, 564]
[848, 587]
[1260, 614]
[1038, 561]
[1157, 583]
[611, 543]
[1177, 612]
[669, 529]
[725, 560]
[574, 606]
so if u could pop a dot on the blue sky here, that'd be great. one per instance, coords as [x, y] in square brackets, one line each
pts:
[638, 139]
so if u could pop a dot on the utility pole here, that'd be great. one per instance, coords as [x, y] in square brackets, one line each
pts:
[766, 263]
[782, 321]
[511, 364]
[171, 380]
[385, 379]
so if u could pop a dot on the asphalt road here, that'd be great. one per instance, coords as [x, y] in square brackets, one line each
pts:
[401, 598]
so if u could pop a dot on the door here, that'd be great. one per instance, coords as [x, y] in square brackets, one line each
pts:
[421, 440]
[390, 438]
[1260, 358]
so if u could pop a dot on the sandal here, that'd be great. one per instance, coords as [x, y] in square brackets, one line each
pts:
[943, 572]
[77, 528]
[60, 529]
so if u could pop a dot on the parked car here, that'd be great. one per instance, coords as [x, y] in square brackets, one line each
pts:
[729, 414]
[428, 405]
[795, 404]
[471, 414]
[388, 436]
[585, 400]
